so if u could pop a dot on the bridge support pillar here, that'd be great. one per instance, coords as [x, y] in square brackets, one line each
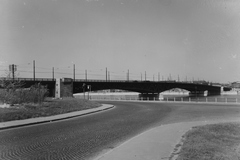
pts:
[63, 87]
[149, 96]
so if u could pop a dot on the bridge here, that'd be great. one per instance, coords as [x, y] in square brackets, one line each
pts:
[67, 87]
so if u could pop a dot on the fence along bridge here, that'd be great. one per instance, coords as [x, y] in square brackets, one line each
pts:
[66, 87]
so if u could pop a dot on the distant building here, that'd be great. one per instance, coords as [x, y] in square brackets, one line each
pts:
[235, 85]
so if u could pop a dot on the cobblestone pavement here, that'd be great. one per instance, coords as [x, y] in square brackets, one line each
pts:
[88, 136]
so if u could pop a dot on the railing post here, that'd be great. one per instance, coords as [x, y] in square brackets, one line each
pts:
[182, 99]
[215, 99]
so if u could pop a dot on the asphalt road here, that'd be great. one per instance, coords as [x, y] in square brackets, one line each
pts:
[87, 136]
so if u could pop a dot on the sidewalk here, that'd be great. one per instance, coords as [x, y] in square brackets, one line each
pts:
[157, 143]
[38, 120]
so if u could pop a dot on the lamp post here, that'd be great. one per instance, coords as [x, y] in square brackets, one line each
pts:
[196, 93]
[89, 90]
[83, 86]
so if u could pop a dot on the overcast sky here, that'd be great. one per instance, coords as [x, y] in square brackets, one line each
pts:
[197, 39]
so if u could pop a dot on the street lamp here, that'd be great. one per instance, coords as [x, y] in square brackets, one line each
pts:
[89, 89]
[196, 92]
[83, 86]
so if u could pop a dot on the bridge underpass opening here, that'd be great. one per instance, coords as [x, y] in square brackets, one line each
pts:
[108, 94]
[179, 92]
[116, 94]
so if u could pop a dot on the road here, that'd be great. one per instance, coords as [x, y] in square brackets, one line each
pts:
[88, 136]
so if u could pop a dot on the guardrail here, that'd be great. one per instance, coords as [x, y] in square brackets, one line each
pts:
[203, 99]
[176, 99]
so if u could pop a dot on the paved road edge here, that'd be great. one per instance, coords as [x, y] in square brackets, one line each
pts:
[39, 120]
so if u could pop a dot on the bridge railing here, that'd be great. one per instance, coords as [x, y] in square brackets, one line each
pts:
[28, 79]
[139, 81]
[96, 80]
[167, 99]
[203, 99]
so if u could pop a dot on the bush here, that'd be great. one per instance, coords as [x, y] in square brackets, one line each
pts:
[12, 93]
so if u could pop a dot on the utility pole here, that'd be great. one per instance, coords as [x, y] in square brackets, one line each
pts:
[86, 75]
[106, 74]
[12, 68]
[73, 72]
[13, 71]
[158, 76]
[53, 73]
[33, 70]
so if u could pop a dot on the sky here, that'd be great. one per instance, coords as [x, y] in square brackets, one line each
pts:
[166, 39]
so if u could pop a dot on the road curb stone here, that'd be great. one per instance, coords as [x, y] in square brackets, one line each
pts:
[39, 120]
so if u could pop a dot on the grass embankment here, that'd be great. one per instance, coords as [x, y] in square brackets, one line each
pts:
[211, 142]
[47, 108]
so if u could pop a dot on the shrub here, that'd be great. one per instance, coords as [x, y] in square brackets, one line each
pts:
[13, 93]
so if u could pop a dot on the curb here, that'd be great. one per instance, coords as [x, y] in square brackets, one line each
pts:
[40, 120]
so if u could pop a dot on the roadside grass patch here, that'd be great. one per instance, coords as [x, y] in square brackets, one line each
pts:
[47, 108]
[211, 142]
